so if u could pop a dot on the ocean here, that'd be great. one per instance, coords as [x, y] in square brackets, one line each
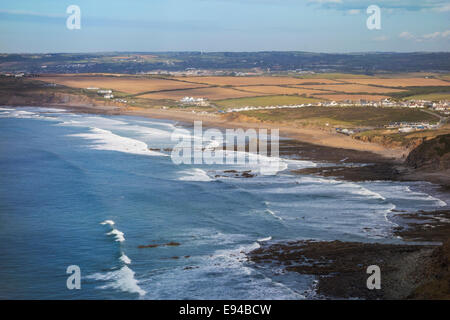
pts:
[88, 190]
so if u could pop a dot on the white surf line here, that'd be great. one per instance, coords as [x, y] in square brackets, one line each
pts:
[234, 257]
[119, 235]
[273, 214]
[195, 174]
[124, 258]
[106, 140]
[109, 222]
[121, 279]
[426, 196]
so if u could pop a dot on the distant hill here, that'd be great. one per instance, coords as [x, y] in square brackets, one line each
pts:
[135, 62]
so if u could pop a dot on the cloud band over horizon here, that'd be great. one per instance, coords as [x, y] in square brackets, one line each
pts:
[224, 25]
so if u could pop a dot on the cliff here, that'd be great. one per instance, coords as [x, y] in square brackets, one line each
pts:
[431, 155]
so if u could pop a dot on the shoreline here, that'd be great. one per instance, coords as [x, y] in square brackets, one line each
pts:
[344, 162]
[333, 147]
[345, 271]
[313, 136]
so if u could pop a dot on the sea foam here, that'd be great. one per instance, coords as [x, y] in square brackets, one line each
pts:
[109, 222]
[122, 279]
[125, 259]
[106, 140]
[117, 234]
[195, 175]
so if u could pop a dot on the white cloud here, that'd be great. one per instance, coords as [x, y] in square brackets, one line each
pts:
[406, 35]
[430, 36]
[354, 11]
[433, 35]
[397, 5]
[443, 8]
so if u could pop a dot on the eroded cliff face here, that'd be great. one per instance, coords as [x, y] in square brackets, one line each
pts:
[388, 142]
[431, 155]
[238, 117]
[51, 98]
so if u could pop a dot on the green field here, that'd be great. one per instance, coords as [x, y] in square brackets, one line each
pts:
[395, 138]
[444, 77]
[431, 96]
[265, 101]
[343, 116]
[419, 91]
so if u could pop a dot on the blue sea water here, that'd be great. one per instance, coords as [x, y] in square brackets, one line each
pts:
[80, 189]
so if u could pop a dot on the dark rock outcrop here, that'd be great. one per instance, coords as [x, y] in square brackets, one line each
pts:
[431, 155]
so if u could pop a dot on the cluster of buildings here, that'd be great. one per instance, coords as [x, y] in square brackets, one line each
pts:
[413, 104]
[367, 103]
[18, 74]
[191, 101]
[402, 127]
[248, 108]
[347, 131]
[361, 102]
[442, 106]
[106, 93]
[411, 126]
[193, 72]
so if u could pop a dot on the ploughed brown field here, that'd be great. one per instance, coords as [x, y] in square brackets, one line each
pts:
[402, 82]
[130, 85]
[212, 93]
[352, 88]
[352, 97]
[223, 88]
[279, 90]
[247, 81]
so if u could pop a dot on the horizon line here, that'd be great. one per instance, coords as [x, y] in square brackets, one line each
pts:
[231, 51]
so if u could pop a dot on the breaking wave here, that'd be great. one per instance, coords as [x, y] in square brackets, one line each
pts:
[122, 279]
[195, 175]
[106, 140]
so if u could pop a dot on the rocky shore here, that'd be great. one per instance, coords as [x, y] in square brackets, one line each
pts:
[340, 267]
[409, 271]
[430, 161]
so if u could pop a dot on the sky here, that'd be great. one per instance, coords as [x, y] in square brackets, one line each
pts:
[338, 26]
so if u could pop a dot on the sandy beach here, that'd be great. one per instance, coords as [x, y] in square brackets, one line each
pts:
[308, 135]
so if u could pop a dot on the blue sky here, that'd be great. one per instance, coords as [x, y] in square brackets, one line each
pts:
[224, 25]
